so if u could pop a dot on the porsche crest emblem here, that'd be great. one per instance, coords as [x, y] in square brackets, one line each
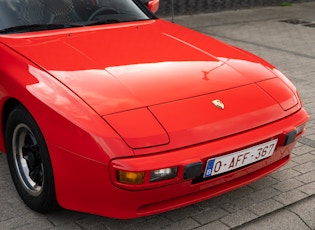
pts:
[219, 104]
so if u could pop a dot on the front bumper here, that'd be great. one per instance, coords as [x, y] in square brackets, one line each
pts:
[103, 195]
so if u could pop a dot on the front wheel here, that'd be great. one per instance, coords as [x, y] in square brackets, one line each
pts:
[29, 161]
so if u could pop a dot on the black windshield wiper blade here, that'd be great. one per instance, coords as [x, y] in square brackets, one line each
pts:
[100, 22]
[36, 27]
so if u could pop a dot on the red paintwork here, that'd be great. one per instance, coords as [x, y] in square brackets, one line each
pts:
[154, 5]
[137, 96]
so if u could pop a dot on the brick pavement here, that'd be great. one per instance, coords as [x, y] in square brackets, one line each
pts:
[283, 200]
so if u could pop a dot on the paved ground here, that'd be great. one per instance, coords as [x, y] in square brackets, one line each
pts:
[283, 200]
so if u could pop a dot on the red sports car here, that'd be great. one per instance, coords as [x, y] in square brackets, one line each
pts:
[107, 109]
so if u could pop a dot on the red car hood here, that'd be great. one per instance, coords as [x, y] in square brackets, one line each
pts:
[155, 82]
[120, 67]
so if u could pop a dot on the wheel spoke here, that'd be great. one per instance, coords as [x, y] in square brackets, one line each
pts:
[31, 155]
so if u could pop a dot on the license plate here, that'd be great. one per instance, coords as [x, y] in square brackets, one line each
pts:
[239, 159]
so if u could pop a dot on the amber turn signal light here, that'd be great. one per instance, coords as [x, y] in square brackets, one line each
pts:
[130, 177]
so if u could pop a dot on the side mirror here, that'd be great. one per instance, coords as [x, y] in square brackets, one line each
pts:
[153, 5]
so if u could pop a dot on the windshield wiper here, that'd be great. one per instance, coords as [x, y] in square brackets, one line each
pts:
[100, 22]
[36, 27]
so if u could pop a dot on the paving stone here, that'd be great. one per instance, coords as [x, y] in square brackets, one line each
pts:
[304, 158]
[225, 198]
[157, 222]
[307, 140]
[264, 182]
[307, 167]
[99, 226]
[210, 216]
[183, 224]
[211, 203]
[285, 174]
[69, 226]
[306, 211]
[65, 217]
[238, 218]
[28, 221]
[265, 207]
[287, 185]
[125, 224]
[12, 223]
[239, 193]
[12, 207]
[216, 225]
[264, 194]
[311, 136]
[308, 188]
[182, 213]
[6, 185]
[238, 204]
[307, 177]
[302, 150]
[290, 197]
[282, 220]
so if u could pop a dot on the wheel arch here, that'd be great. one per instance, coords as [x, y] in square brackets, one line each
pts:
[8, 106]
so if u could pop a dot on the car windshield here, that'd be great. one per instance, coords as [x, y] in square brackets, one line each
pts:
[17, 16]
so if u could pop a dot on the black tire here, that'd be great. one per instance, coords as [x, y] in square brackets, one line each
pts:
[29, 161]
